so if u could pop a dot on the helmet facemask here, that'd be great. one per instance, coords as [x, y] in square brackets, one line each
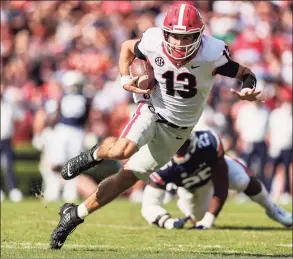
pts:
[182, 52]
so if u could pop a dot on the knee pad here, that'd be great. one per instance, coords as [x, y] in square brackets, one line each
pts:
[254, 187]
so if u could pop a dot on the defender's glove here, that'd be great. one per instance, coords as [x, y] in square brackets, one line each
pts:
[175, 223]
[206, 222]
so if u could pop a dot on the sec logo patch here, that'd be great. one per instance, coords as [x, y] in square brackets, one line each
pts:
[159, 61]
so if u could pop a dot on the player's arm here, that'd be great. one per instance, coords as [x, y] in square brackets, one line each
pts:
[233, 69]
[127, 55]
[221, 185]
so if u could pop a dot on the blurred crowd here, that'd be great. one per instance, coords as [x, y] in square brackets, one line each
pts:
[42, 40]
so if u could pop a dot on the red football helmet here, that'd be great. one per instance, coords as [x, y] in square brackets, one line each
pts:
[182, 19]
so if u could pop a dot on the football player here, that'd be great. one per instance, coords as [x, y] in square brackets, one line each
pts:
[185, 63]
[68, 134]
[203, 175]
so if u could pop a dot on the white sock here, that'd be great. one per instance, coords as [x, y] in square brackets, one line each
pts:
[263, 199]
[96, 156]
[82, 211]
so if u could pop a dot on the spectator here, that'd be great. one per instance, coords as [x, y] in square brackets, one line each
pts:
[280, 138]
[9, 116]
[251, 125]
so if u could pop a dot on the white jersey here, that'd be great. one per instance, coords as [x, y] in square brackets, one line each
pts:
[181, 92]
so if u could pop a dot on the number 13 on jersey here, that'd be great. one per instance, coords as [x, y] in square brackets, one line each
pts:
[189, 84]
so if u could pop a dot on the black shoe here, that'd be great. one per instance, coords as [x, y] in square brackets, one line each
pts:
[67, 224]
[80, 163]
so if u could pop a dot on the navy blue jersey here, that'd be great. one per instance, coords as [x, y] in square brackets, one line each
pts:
[203, 152]
[74, 110]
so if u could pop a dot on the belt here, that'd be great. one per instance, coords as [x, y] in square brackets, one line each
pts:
[163, 120]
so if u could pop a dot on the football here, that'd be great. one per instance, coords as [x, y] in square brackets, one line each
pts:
[145, 73]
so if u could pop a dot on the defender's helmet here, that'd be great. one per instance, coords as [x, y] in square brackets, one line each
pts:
[73, 82]
[182, 19]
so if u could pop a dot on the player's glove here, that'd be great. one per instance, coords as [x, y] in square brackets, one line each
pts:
[172, 223]
[206, 222]
[179, 223]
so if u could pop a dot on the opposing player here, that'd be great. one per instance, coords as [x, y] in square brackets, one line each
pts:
[203, 175]
[185, 64]
[68, 134]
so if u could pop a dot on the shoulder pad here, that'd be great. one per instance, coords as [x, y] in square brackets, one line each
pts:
[151, 40]
[212, 48]
[209, 138]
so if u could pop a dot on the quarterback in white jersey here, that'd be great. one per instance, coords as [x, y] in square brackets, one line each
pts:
[185, 63]
[181, 91]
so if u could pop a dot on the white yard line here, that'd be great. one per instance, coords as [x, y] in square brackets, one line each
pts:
[285, 245]
[178, 248]
[31, 245]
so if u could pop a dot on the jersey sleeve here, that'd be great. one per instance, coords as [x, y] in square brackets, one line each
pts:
[217, 52]
[216, 143]
[150, 41]
[164, 175]
[223, 58]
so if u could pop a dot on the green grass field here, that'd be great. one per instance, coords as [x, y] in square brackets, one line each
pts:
[118, 230]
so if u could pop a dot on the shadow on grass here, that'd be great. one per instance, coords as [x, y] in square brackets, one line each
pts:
[253, 228]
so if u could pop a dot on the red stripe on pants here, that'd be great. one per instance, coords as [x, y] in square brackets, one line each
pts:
[246, 169]
[129, 125]
[156, 178]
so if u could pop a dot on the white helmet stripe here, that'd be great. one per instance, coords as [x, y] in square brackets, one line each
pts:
[181, 13]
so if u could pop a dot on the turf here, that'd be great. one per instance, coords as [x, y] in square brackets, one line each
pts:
[118, 230]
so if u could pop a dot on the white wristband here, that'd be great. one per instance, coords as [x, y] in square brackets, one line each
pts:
[125, 79]
[208, 219]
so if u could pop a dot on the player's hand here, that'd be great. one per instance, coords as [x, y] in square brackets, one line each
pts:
[202, 225]
[179, 223]
[247, 94]
[131, 87]
[172, 223]
[206, 222]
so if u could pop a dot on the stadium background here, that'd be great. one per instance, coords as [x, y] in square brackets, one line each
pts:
[41, 40]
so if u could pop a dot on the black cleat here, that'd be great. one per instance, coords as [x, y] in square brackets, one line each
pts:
[80, 163]
[67, 224]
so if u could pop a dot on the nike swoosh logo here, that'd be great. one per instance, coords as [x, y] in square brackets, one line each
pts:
[60, 243]
[193, 67]
[178, 138]
[64, 212]
[68, 170]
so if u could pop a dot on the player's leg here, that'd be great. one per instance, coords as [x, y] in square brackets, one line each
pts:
[152, 206]
[139, 131]
[72, 215]
[51, 184]
[74, 145]
[70, 193]
[150, 157]
[136, 192]
[86, 186]
[57, 149]
[242, 181]
[287, 160]
[15, 194]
